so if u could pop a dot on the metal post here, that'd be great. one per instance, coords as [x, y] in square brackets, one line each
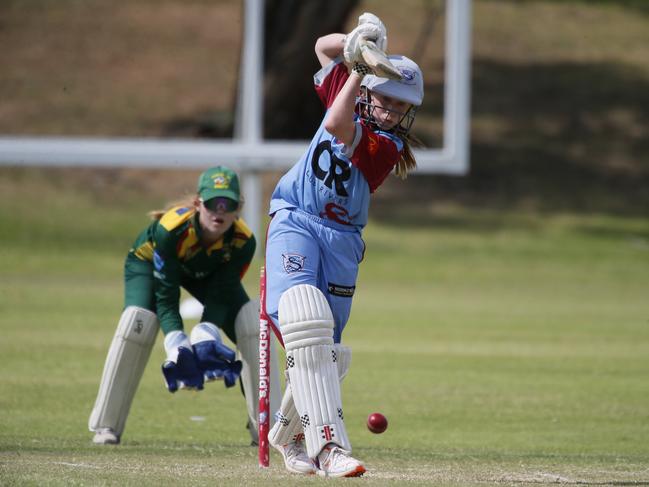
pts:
[252, 208]
[457, 85]
[249, 116]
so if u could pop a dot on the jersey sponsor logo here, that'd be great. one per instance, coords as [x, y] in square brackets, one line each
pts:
[293, 262]
[336, 213]
[182, 211]
[338, 172]
[342, 291]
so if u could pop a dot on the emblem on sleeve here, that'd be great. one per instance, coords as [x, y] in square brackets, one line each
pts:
[293, 262]
[372, 144]
[158, 261]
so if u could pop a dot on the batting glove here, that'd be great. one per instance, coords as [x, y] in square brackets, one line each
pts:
[215, 359]
[352, 48]
[180, 370]
[381, 40]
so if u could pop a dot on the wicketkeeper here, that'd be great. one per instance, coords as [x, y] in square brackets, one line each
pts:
[204, 247]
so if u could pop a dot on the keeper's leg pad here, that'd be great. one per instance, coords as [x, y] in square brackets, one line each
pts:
[307, 326]
[287, 428]
[127, 357]
[246, 328]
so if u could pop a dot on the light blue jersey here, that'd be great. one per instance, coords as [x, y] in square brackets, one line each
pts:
[325, 183]
[320, 206]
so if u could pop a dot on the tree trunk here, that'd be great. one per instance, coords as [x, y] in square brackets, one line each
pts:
[291, 108]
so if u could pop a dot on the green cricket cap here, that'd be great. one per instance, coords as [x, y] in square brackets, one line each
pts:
[218, 181]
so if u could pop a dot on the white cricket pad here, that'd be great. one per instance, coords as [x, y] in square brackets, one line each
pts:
[305, 317]
[307, 325]
[287, 428]
[316, 392]
[127, 358]
[246, 328]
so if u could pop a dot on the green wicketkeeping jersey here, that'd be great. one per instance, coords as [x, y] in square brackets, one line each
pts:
[172, 245]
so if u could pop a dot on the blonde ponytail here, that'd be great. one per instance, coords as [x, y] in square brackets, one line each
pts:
[407, 162]
[187, 202]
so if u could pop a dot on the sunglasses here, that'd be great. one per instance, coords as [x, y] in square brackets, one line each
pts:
[221, 203]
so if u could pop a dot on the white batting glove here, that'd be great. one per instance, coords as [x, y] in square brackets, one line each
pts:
[382, 39]
[352, 48]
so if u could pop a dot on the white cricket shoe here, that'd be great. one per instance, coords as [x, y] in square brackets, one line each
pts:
[334, 462]
[295, 458]
[105, 436]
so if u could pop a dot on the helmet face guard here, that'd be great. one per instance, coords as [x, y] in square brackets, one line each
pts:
[366, 111]
[409, 89]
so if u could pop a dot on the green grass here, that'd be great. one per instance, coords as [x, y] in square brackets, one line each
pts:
[503, 348]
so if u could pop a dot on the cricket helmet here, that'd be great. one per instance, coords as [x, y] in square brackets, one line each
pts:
[409, 89]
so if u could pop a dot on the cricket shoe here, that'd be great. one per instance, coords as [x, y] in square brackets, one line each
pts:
[105, 436]
[295, 458]
[334, 462]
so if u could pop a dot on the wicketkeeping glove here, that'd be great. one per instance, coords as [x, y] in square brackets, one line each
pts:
[215, 359]
[180, 370]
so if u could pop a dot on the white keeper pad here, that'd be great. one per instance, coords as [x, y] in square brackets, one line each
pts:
[307, 325]
[127, 358]
[246, 328]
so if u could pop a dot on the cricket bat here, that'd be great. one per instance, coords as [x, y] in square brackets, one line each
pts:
[378, 61]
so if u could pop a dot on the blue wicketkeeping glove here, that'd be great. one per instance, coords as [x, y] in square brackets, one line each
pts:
[180, 370]
[215, 360]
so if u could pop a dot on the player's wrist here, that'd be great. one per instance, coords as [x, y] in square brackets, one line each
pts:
[361, 69]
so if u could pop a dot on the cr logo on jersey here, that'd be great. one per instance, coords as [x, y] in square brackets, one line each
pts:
[293, 262]
[338, 171]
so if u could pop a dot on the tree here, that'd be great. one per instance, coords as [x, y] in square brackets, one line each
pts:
[291, 108]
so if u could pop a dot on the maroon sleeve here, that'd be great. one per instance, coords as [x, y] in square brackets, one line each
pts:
[329, 81]
[375, 156]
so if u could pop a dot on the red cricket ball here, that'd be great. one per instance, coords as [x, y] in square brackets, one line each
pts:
[377, 423]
